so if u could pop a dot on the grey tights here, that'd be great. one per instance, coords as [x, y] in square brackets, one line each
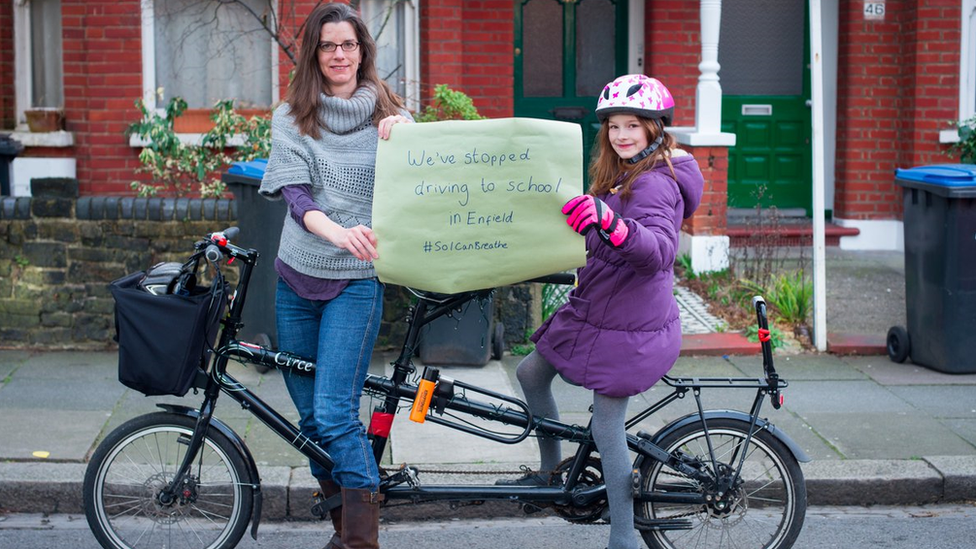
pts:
[535, 375]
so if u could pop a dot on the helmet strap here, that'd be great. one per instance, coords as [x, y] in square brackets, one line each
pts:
[651, 148]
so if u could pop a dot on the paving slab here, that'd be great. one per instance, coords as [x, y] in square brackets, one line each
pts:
[72, 365]
[965, 428]
[848, 397]
[886, 372]
[886, 435]
[62, 394]
[11, 361]
[956, 401]
[66, 435]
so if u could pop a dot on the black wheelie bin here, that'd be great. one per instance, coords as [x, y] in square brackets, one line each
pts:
[260, 221]
[940, 268]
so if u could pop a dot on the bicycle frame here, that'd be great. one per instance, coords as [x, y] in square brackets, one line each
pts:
[398, 389]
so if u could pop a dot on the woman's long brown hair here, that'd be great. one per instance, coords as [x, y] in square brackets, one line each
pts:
[303, 93]
[607, 168]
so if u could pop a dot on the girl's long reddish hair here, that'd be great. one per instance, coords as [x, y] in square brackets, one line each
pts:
[303, 93]
[608, 168]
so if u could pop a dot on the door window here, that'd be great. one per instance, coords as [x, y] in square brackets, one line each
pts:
[542, 49]
[595, 39]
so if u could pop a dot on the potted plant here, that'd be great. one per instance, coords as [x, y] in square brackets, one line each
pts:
[45, 119]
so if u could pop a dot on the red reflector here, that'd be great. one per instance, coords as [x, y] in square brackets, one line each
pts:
[380, 424]
[782, 399]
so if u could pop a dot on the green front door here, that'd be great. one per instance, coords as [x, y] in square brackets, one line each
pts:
[565, 52]
[765, 87]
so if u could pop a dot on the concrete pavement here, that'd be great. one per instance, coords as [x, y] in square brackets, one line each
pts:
[878, 432]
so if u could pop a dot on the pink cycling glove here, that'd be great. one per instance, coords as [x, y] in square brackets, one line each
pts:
[585, 211]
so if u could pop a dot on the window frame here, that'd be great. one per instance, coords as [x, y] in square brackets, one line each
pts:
[23, 68]
[149, 85]
[411, 41]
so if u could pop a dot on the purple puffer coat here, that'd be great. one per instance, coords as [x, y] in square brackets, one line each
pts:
[620, 332]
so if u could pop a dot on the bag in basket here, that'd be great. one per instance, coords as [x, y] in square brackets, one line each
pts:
[163, 339]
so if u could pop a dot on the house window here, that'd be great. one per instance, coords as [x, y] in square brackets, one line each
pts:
[207, 51]
[38, 64]
[394, 25]
[47, 86]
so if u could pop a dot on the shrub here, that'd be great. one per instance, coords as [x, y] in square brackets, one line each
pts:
[180, 168]
[448, 104]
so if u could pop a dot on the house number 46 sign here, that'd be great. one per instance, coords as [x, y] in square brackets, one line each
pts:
[874, 11]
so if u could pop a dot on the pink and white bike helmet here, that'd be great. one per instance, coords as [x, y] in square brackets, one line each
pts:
[637, 94]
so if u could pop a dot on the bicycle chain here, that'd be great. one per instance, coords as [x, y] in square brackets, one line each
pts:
[521, 471]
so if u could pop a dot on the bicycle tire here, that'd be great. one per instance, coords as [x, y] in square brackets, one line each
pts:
[767, 510]
[136, 459]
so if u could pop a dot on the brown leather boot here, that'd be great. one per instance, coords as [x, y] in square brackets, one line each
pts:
[361, 518]
[330, 489]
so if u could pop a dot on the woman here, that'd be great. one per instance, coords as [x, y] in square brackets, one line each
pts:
[620, 332]
[329, 302]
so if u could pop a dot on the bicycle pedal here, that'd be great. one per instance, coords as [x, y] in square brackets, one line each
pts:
[635, 483]
[321, 505]
[318, 509]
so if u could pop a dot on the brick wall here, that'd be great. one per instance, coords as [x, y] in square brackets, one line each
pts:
[710, 217]
[7, 100]
[488, 32]
[909, 63]
[468, 46]
[673, 51]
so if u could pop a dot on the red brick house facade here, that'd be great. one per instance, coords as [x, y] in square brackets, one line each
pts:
[898, 80]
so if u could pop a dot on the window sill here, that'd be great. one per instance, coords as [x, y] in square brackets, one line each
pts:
[949, 136]
[186, 139]
[48, 139]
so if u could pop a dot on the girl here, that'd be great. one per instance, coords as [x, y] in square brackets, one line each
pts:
[619, 333]
[329, 302]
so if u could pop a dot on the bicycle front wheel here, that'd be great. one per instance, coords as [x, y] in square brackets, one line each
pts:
[764, 508]
[128, 471]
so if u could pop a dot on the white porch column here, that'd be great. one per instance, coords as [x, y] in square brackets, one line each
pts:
[708, 252]
[708, 96]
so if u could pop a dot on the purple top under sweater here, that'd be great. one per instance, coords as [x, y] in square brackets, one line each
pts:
[299, 200]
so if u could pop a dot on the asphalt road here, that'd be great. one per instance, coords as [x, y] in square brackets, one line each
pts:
[932, 527]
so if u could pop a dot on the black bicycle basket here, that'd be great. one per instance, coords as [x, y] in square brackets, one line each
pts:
[164, 339]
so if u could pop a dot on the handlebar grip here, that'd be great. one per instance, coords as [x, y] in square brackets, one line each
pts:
[212, 253]
[232, 232]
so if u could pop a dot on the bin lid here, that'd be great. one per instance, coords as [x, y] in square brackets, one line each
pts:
[254, 168]
[10, 146]
[246, 173]
[946, 180]
[949, 175]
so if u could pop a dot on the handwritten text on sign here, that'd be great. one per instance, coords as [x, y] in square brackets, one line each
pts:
[464, 205]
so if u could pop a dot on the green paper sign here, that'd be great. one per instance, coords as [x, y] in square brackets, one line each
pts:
[465, 205]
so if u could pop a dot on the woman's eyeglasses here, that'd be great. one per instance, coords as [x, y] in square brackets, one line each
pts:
[329, 47]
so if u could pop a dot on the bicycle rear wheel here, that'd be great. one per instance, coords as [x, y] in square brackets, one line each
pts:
[130, 467]
[764, 509]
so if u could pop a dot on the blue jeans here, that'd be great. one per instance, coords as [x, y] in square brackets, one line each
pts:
[339, 334]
